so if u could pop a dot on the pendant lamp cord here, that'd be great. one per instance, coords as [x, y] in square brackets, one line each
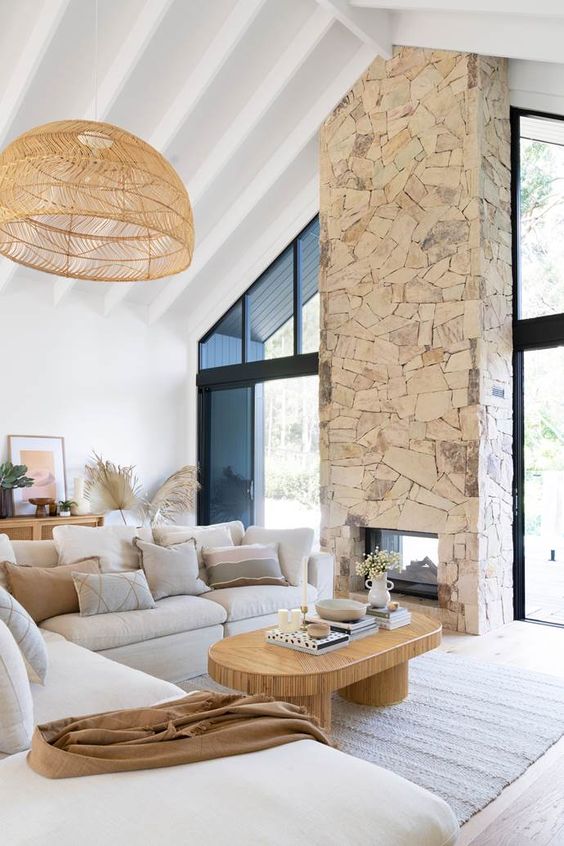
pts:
[95, 59]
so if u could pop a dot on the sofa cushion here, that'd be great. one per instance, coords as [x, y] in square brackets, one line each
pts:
[42, 553]
[240, 566]
[7, 550]
[171, 615]
[293, 546]
[16, 711]
[106, 593]
[113, 545]
[25, 633]
[81, 682]
[171, 570]
[47, 591]
[243, 602]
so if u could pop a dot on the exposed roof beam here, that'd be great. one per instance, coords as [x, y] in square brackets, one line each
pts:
[547, 8]
[115, 79]
[512, 36]
[372, 27]
[259, 103]
[229, 36]
[259, 187]
[25, 69]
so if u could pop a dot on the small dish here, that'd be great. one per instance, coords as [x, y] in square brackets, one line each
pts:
[341, 610]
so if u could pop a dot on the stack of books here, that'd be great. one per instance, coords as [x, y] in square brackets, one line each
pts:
[360, 628]
[390, 619]
[302, 643]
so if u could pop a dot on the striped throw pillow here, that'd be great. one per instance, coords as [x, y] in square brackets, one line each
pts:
[238, 566]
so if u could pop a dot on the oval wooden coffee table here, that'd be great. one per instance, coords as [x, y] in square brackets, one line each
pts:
[370, 671]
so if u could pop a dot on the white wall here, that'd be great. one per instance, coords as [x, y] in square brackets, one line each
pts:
[113, 384]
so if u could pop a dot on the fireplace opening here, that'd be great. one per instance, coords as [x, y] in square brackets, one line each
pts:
[419, 554]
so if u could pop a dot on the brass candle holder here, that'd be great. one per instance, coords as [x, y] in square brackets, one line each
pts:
[304, 609]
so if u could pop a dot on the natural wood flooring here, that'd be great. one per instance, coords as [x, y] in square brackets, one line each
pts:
[530, 812]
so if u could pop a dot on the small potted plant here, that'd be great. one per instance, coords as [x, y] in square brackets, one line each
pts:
[65, 506]
[374, 567]
[11, 476]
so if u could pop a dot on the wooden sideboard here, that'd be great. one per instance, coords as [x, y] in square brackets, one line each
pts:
[41, 528]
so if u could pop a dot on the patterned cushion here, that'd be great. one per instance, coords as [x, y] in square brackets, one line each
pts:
[237, 566]
[47, 591]
[16, 711]
[171, 571]
[106, 593]
[25, 633]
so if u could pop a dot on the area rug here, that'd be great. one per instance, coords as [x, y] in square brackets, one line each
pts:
[465, 732]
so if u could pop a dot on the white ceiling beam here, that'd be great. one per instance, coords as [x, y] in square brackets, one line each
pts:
[546, 8]
[512, 36]
[262, 183]
[264, 97]
[113, 83]
[372, 27]
[537, 85]
[222, 46]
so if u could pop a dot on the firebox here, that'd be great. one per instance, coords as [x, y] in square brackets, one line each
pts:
[419, 553]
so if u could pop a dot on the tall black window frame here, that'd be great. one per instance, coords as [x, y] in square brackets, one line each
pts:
[533, 333]
[249, 373]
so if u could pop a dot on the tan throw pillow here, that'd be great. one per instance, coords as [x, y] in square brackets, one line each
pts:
[237, 566]
[25, 633]
[171, 571]
[106, 593]
[47, 591]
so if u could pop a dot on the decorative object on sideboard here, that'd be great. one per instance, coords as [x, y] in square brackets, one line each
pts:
[12, 476]
[65, 506]
[43, 506]
[177, 495]
[80, 506]
[44, 456]
[111, 487]
[374, 567]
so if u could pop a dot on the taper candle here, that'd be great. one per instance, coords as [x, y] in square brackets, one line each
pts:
[304, 586]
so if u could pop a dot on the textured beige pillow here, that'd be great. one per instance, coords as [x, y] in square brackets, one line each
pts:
[106, 593]
[239, 566]
[25, 633]
[113, 545]
[293, 546]
[171, 571]
[16, 711]
[202, 536]
[47, 591]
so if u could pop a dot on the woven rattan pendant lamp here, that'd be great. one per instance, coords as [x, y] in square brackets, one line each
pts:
[88, 200]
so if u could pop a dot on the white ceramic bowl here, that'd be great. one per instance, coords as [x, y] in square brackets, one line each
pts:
[341, 610]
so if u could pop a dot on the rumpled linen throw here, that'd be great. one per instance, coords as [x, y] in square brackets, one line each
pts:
[198, 727]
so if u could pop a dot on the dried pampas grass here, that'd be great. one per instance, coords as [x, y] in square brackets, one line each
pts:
[110, 487]
[175, 496]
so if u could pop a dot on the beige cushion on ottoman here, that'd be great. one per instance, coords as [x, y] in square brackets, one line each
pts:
[170, 616]
[113, 545]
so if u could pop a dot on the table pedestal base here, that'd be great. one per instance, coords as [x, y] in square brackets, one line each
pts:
[318, 706]
[386, 688]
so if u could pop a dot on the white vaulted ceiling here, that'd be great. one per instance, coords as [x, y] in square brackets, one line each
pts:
[233, 92]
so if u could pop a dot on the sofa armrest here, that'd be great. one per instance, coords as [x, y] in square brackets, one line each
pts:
[321, 574]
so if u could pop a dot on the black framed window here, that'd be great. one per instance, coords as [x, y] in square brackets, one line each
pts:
[258, 397]
[538, 267]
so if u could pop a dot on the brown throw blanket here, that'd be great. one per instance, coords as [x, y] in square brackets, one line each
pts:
[199, 727]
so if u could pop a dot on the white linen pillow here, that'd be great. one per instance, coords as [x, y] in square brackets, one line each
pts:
[108, 593]
[293, 546]
[202, 535]
[113, 545]
[16, 711]
[171, 570]
[26, 635]
[6, 554]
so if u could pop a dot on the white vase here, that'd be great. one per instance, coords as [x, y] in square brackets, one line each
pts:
[81, 505]
[378, 590]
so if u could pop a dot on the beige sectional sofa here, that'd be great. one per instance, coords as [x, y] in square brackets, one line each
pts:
[171, 641]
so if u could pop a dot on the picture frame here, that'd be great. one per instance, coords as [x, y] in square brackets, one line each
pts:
[44, 457]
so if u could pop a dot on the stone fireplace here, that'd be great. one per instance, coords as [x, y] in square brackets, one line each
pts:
[415, 358]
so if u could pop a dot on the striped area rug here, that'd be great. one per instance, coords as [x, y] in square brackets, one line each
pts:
[465, 732]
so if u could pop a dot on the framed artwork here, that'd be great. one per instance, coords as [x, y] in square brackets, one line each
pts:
[44, 457]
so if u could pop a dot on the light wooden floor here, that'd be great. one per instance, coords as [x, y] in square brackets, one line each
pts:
[530, 812]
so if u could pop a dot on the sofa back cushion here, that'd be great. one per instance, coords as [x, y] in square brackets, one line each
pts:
[16, 713]
[41, 553]
[25, 633]
[293, 546]
[7, 552]
[241, 566]
[216, 536]
[113, 545]
[47, 591]
[171, 570]
[108, 593]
